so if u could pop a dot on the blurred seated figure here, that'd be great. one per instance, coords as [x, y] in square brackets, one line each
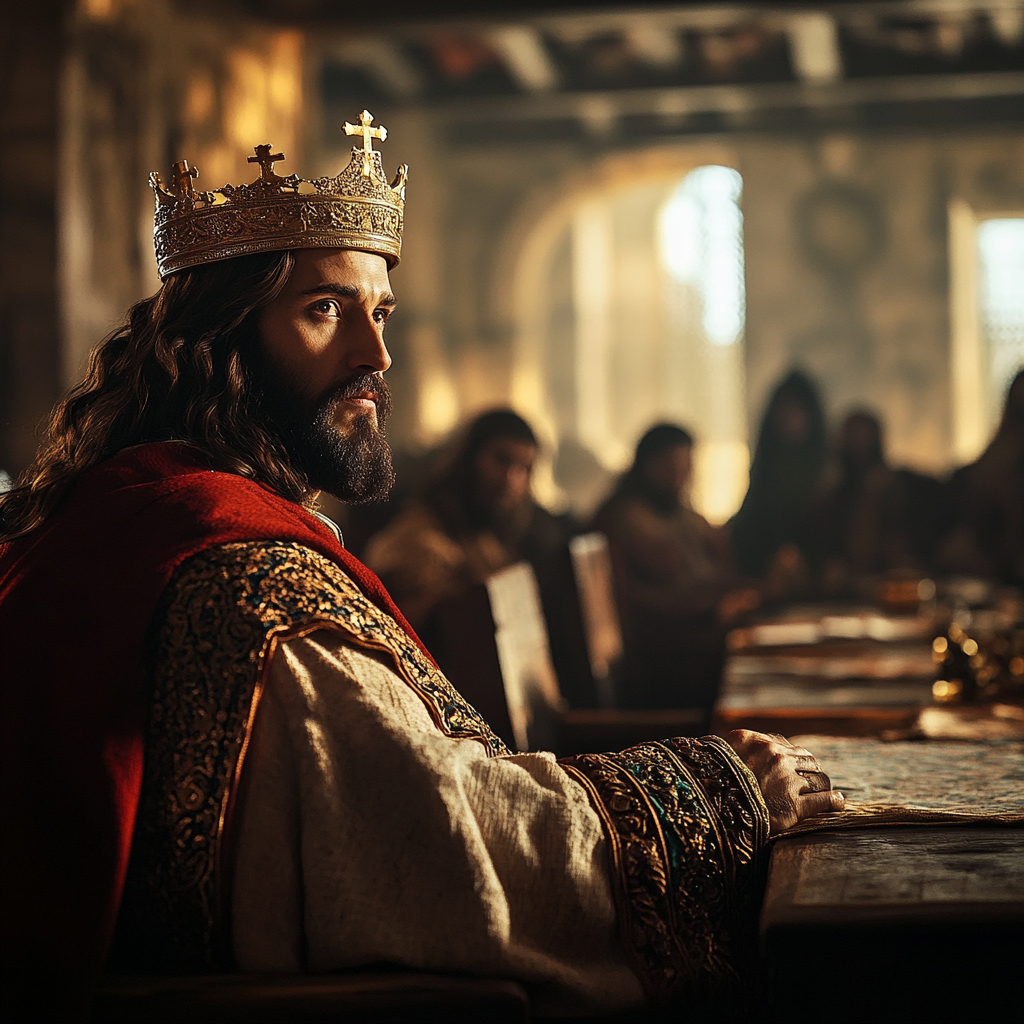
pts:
[987, 538]
[772, 532]
[675, 580]
[475, 519]
[873, 519]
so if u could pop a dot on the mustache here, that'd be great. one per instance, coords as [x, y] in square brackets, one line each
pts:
[360, 384]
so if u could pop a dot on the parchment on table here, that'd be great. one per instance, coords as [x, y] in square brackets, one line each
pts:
[919, 782]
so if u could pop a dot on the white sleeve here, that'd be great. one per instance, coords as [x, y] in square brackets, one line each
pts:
[365, 835]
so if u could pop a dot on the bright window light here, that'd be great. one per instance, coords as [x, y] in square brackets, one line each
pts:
[1001, 298]
[701, 240]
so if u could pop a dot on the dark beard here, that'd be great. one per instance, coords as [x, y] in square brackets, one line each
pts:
[355, 466]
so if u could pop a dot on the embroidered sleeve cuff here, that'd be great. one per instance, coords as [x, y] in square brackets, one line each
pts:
[686, 825]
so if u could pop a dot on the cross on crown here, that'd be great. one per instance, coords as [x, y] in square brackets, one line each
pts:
[183, 176]
[266, 160]
[364, 128]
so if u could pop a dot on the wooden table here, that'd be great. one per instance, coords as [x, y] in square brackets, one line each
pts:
[905, 922]
[896, 924]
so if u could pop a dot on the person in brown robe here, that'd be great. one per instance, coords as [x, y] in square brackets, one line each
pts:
[477, 517]
[676, 583]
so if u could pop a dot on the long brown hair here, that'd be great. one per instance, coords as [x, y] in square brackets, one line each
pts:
[181, 367]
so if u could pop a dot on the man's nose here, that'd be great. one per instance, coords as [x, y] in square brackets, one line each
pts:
[365, 348]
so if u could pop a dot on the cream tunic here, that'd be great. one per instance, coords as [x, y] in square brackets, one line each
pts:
[365, 835]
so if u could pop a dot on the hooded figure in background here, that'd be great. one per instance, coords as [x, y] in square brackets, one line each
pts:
[874, 519]
[771, 533]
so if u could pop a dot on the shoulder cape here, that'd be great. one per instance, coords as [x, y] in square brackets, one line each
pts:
[76, 599]
[212, 644]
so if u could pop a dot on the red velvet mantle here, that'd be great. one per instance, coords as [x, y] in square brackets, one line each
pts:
[76, 598]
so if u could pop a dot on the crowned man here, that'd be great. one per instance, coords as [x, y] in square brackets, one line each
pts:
[225, 748]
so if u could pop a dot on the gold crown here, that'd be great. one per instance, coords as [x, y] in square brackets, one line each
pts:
[356, 209]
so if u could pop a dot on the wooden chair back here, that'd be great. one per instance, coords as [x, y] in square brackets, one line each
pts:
[520, 634]
[592, 572]
[492, 643]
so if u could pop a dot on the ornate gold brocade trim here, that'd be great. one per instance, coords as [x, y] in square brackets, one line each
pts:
[211, 646]
[686, 824]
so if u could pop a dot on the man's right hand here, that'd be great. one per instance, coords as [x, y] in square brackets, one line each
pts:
[776, 765]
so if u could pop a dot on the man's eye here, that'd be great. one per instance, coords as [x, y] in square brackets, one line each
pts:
[327, 307]
[381, 315]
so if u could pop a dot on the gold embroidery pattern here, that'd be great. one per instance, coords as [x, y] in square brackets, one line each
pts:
[685, 831]
[733, 793]
[218, 623]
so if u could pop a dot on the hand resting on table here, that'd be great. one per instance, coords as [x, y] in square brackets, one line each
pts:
[792, 783]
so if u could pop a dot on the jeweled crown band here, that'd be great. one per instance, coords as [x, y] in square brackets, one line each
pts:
[222, 232]
[356, 209]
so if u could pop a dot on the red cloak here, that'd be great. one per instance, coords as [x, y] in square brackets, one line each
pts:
[76, 599]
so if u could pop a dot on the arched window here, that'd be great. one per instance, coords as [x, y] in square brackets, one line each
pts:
[633, 312]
